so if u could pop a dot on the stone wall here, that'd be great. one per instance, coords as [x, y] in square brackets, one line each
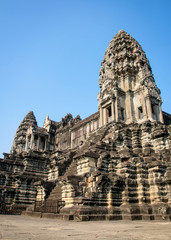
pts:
[81, 131]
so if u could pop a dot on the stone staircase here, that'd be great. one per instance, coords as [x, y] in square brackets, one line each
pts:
[71, 170]
[98, 135]
[56, 193]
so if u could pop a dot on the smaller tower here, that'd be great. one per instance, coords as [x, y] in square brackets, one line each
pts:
[128, 90]
[19, 143]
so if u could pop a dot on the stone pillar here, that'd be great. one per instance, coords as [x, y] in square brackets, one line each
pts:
[101, 116]
[113, 110]
[149, 110]
[26, 146]
[38, 143]
[104, 116]
[144, 107]
[116, 106]
[160, 114]
[128, 107]
[45, 148]
[32, 141]
[127, 83]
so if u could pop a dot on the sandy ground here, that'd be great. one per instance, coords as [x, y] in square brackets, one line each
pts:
[23, 228]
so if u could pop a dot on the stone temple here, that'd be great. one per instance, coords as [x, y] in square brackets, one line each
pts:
[115, 164]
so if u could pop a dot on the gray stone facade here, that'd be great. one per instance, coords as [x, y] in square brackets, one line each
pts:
[115, 164]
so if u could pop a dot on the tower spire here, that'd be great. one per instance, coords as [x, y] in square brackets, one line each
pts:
[128, 90]
[20, 136]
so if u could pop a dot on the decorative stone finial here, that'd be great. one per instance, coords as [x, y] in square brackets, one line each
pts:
[121, 31]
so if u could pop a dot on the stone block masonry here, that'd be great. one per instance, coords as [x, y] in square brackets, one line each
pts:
[113, 165]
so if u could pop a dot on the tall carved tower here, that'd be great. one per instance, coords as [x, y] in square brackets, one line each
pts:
[128, 90]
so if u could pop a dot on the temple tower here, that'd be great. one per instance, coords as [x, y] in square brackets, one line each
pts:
[128, 90]
[19, 142]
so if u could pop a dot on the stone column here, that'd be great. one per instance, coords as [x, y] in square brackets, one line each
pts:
[128, 107]
[116, 106]
[26, 146]
[101, 116]
[45, 148]
[38, 143]
[160, 114]
[32, 141]
[144, 108]
[127, 83]
[104, 116]
[113, 110]
[149, 110]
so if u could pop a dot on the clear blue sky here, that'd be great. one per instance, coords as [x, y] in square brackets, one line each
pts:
[51, 51]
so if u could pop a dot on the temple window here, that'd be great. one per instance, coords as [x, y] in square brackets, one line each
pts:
[35, 140]
[42, 143]
[109, 114]
[122, 114]
[140, 113]
[154, 112]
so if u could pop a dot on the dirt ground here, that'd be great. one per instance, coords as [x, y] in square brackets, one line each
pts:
[23, 228]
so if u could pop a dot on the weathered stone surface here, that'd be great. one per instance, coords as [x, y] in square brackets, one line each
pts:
[113, 165]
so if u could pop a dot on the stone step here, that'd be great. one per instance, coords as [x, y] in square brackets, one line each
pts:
[71, 170]
[56, 193]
